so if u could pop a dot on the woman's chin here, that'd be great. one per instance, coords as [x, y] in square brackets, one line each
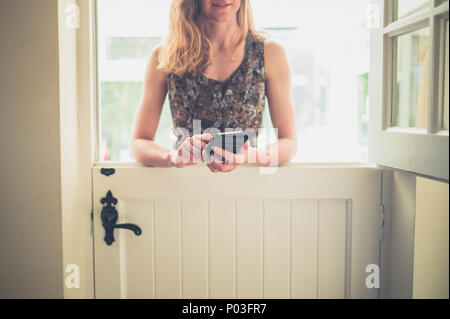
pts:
[222, 18]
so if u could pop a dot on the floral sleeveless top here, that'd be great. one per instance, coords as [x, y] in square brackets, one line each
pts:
[236, 103]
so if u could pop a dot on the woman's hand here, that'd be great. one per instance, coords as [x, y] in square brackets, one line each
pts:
[190, 152]
[231, 160]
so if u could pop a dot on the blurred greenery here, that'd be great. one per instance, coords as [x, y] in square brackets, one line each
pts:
[118, 105]
[119, 101]
[130, 48]
[363, 107]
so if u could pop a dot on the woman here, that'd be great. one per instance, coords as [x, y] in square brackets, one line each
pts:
[217, 71]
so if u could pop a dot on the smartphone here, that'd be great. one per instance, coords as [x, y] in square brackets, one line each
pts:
[229, 141]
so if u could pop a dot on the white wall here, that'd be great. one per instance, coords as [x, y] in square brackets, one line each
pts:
[431, 240]
[76, 152]
[397, 250]
[415, 250]
[30, 208]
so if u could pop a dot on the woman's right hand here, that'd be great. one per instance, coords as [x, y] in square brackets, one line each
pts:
[190, 152]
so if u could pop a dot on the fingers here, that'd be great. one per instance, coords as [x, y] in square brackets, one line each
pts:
[242, 155]
[228, 156]
[186, 153]
[218, 167]
[244, 148]
[212, 168]
[212, 164]
[207, 158]
[191, 149]
[176, 160]
[202, 139]
[206, 137]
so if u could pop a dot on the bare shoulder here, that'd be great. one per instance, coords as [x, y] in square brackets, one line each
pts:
[273, 48]
[155, 55]
[153, 70]
[274, 56]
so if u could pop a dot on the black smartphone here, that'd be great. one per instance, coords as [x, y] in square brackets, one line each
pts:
[229, 141]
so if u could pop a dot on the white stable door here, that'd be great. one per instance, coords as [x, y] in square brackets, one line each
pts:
[302, 232]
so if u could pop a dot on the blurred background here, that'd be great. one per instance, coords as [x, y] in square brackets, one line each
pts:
[328, 57]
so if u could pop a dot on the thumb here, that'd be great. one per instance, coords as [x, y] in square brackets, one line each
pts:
[175, 159]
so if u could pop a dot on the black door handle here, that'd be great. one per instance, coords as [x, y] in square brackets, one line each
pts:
[134, 228]
[109, 218]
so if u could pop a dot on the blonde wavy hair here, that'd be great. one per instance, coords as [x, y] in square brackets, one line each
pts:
[188, 48]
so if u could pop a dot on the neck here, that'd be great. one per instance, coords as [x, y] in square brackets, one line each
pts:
[222, 35]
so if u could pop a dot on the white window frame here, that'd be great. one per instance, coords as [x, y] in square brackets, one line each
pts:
[421, 151]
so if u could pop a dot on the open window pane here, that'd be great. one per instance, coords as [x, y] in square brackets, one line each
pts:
[409, 7]
[445, 119]
[405, 78]
[411, 79]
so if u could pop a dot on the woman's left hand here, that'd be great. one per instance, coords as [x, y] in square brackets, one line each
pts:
[232, 160]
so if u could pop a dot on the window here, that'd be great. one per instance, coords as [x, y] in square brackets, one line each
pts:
[330, 69]
[405, 8]
[408, 89]
[410, 79]
[127, 31]
[328, 53]
[443, 111]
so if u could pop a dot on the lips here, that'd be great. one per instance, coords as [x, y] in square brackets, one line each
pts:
[221, 5]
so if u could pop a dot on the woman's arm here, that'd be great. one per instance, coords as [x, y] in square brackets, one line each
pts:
[279, 95]
[142, 147]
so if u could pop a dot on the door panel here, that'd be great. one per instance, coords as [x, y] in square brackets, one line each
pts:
[277, 249]
[249, 253]
[167, 252]
[332, 249]
[303, 232]
[195, 248]
[137, 261]
[304, 248]
[222, 243]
